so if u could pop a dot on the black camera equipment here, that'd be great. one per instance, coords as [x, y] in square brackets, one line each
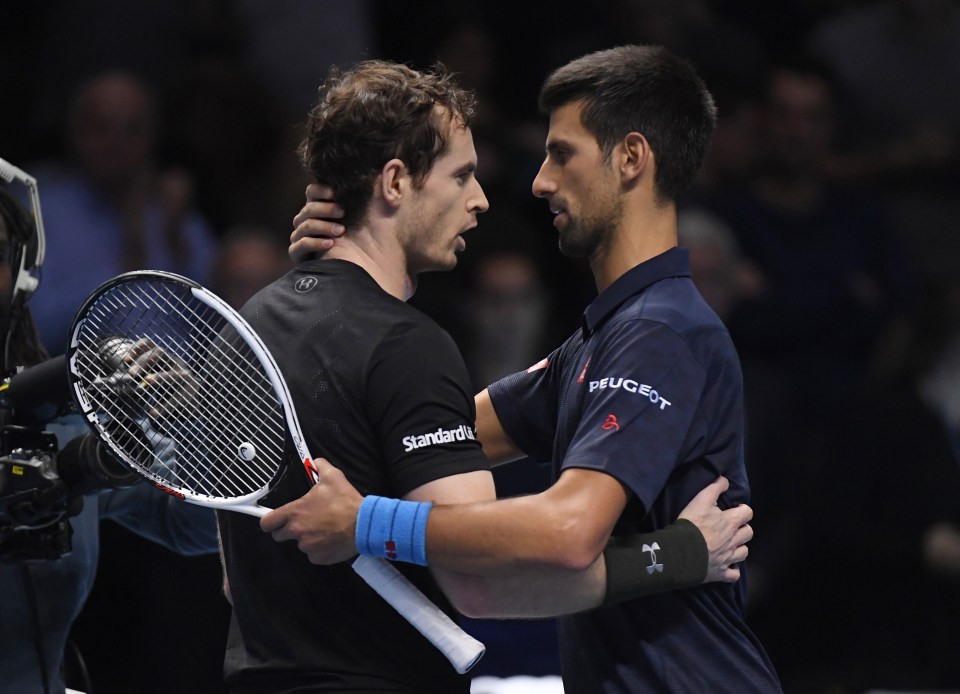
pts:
[41, 486]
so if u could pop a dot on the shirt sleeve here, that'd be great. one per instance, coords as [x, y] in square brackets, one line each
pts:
[419, 398]
[526, 405]
[643, 389]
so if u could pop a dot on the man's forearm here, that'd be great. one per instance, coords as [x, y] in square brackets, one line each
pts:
[532, 593]
[668, 559]
[629, 568]
[565, 527]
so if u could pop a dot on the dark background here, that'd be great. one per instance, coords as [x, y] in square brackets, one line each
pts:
[848, 463]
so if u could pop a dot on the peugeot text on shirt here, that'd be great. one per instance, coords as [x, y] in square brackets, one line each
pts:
[441, 435]
[630, 386]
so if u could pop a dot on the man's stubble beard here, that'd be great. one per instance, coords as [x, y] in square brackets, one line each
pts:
[582, 239]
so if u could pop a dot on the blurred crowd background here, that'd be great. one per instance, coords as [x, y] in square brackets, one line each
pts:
[823, 229]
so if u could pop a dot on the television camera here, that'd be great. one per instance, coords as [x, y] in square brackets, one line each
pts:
[41, 487]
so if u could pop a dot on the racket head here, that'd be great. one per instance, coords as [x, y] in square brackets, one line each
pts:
[207, 414]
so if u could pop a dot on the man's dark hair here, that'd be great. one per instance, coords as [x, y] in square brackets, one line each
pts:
[644, 89]
[376, 112]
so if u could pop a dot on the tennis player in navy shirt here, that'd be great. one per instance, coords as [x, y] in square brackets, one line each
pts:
[637, 411]
[647, 391]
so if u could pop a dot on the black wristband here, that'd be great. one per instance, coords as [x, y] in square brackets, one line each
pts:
[668, 559]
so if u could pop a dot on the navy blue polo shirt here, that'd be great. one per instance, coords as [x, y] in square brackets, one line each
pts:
[649, 391]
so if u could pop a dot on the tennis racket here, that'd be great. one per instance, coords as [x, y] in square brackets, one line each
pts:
[204, 413]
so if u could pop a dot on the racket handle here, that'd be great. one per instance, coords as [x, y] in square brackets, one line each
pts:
[462, 650]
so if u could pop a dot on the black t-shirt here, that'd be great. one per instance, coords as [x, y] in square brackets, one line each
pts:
[382, 392]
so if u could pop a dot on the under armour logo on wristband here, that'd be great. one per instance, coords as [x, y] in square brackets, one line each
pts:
[654, 566]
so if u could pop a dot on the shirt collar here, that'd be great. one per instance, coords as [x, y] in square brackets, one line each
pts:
[672, 263]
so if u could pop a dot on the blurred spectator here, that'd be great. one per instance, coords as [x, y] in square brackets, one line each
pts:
[721, 273]
[291, 45]
[831, 286]
[66, 43]
[903, 561]
[248, 259]
[508, 309]
[831, 273]
[732, 152]
[898, 64]
[225, 126]
[721, 49]
[235, 117]
[111, 210]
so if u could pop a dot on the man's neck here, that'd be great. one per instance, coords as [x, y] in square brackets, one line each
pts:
[378, 253]
[641, 235]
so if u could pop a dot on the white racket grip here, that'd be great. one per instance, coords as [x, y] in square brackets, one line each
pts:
[462, 650]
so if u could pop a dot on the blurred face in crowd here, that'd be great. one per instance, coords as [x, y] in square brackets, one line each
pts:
[796, 123]
[245, 266]
[111, 129]
[579, 184]
[442, 207]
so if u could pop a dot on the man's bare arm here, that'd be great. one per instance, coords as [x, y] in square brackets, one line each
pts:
[324, 524]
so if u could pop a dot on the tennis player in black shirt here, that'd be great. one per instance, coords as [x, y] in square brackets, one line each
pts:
[371, 378]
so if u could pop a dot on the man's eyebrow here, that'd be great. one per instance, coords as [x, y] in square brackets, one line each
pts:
[554, 145]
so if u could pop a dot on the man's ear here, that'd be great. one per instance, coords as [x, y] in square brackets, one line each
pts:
[635, 156]
[394, 182]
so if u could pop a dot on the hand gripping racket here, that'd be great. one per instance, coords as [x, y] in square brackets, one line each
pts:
[206, 414]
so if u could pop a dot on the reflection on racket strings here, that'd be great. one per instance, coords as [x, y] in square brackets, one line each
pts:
[175, 424]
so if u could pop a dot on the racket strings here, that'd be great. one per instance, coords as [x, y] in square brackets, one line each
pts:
[224, 359]
[205, 419]
[180, 469]
[151, 433]
[220, 362]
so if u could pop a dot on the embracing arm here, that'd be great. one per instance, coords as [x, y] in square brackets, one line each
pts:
[508, 594]
[514, 589]
[554, 577]
[563, 528]
[549, 580]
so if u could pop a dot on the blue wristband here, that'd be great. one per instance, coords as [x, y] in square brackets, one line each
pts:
[393, 529]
